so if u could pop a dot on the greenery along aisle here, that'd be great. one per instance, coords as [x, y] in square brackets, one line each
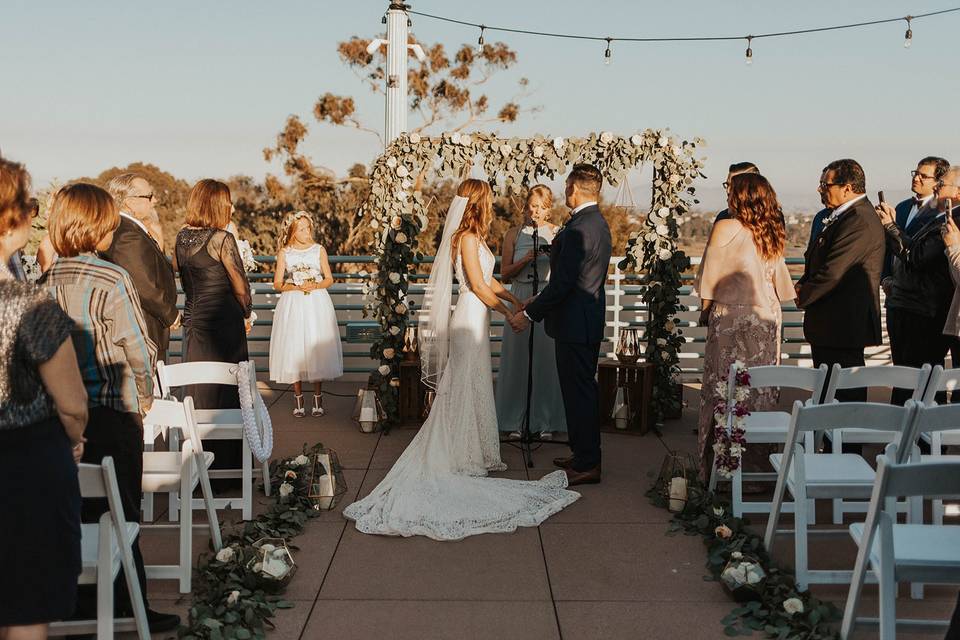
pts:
[397, 213]
[233, 598]
[769, 600]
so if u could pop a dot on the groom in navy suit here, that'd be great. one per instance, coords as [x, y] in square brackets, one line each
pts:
[573, 307]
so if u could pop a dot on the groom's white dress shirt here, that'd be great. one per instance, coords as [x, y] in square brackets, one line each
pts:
[580, 208]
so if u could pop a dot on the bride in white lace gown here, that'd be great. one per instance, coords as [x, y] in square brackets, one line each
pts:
[438, 487]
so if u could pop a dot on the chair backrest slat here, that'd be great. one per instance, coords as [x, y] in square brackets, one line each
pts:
[91, 481]
[887, 376]
[178, 375]
[941, 380]
[167, 413]
[791, 377]
[864, 415]
[930, 479]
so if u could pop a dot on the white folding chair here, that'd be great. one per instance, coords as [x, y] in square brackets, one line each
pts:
[217, 424]
[182, 470]
[888, 376]
[941, 380]
[106, 547]
[903, 552]
[826, 475]
[769, 427]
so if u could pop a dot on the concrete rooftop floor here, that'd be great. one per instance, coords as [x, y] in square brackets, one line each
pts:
[602, 568]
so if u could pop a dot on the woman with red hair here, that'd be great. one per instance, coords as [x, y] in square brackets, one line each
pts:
[742, 281]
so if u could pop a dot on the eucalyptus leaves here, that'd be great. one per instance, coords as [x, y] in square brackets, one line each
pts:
[397, 210]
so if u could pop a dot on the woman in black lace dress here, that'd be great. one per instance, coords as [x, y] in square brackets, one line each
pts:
[218, 299]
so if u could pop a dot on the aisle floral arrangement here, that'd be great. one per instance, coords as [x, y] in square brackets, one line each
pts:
[239, 589]
[769, 601]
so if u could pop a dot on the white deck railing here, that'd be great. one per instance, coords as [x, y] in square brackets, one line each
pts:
[624, 309]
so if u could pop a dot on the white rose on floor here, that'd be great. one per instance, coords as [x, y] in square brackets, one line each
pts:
[394, 277]
[286, 489]
[606, 137]
[290, 475]
[636, 139]
[394, 331]
[391, 162]
[301, 460]
[793, 605]
[232, 598]
[225, 555]
[389, 352]
[401, 238]
[415, 138]
[402, 171]
[383, 369]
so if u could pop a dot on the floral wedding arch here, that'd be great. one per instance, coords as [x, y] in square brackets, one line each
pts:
[397, 210]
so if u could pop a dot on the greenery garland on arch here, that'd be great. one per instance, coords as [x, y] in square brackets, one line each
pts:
[397, 211]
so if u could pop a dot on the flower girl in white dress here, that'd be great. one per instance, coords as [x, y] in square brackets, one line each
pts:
[305, 340]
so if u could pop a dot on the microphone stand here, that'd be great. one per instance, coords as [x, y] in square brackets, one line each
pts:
[527, 439]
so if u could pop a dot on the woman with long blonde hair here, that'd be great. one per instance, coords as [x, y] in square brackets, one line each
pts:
[437, 487]
[742, 282]
[516, 266]
[305, 339]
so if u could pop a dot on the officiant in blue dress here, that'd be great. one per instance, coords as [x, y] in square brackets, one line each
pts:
[546, 403]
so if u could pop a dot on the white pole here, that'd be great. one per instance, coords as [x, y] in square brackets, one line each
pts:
[396, 109]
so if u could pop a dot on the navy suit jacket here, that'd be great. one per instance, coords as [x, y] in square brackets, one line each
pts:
[573, 304]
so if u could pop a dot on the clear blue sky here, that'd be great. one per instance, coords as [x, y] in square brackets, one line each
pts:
[200, 87]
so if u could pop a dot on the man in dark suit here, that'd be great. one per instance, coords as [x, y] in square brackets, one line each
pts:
[919, 288]
[572, 307]
[135, 249]
[924, 180]
[840, 287]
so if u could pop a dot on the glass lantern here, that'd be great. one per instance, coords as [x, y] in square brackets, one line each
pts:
[327, 483]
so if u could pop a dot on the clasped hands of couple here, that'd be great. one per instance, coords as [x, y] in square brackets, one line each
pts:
[518, 321]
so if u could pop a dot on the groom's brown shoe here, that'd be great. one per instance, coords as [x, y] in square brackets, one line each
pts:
[563, 463]
[591, 476]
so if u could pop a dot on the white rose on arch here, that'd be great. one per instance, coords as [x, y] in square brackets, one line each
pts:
[466, 140]
[606, 137]
[383, 370]
[394, 277]
[538, 151]
[391, 162]
[415, 138]
[505, 149]
[663, 141]
[402, 195]
[400, 308]
[389, 352]
[400, 238]
[636, 139]
[663, 230]
[394, 330]
[455, 138]
[673, 179]
[665, 254]
[396, 222]
[558, 143]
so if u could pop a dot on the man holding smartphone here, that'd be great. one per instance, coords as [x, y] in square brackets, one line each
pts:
[919, 288]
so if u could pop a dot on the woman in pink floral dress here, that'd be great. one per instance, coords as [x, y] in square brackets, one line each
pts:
[742, 281]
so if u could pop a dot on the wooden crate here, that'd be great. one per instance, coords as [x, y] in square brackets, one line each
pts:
[638, 380]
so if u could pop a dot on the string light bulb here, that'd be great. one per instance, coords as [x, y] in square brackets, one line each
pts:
[480, 40]
[383, 20]
[608, 55]
[749, 56]
[908, 36]
[409, 22]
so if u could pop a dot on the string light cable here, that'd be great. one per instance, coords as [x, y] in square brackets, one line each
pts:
[607, 40]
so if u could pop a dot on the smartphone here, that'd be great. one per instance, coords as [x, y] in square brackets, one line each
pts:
[880, 196]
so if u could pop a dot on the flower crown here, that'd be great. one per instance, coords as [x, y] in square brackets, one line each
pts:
[288, 222]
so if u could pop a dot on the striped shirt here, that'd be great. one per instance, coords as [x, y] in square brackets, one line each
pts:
[115, 356]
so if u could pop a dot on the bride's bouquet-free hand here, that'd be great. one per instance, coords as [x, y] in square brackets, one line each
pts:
[246, 256]
[303, 274]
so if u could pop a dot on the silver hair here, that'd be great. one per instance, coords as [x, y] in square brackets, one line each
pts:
[954, 174]
[121, 186]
